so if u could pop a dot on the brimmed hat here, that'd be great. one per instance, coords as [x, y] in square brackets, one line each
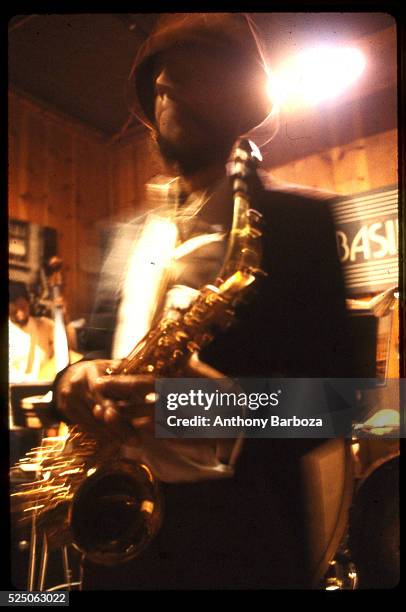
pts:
[229, 33]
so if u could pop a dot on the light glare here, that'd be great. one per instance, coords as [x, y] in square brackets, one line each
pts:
[316, 74]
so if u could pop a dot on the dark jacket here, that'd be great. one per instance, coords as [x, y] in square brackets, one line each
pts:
[249, 531]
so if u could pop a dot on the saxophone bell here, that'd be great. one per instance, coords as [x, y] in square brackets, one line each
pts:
[116, 512]
[109, 510]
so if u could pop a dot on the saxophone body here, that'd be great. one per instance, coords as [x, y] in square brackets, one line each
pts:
[82, 492]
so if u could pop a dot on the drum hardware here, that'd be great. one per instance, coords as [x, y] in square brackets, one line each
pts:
[32, 549]
[375, 460]
[341, 573]
[372, 536]
[374, 525]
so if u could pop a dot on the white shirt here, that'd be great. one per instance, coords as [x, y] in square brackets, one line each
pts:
[30, 347]
[148, 268]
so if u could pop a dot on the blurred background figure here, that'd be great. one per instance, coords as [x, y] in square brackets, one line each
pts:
[31, 339]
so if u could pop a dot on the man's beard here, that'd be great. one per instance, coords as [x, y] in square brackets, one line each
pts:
[187, 159]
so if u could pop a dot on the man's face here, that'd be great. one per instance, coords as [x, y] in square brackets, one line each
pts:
[198, 102]
[19, 311]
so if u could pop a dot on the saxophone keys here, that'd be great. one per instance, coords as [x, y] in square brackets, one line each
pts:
[213, 298]
[164, 341]
[254, 233]
[259, 272]
[205, 339]
[254, 215]
[193, 346]
[190, 320]
[180, 336]
[147, 506]
[200, 309]
[227, 319]
[167, 324]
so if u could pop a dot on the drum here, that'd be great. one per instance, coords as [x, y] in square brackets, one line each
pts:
[374, 525]
[328, 482]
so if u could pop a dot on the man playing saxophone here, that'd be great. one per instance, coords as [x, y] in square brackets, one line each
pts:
[234, 518]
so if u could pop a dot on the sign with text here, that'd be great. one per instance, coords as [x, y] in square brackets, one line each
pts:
[277, 407]
[367, 240]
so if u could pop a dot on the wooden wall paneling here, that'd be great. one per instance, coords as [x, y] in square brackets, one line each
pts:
[366, 163]
[61, 207]
[58, 211]
[92, 195]
[133, 164]
[14, 146]
[128, 178]
[36, 159]
[124, 180]
[382, 154]
[19, 205]
[41, 177]
[59, 176]
[139, 157]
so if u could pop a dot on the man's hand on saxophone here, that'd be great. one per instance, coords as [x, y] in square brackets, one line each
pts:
[90, 398]
[114, 406]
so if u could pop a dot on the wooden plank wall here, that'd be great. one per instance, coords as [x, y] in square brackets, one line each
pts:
[67, 176]
[133, 162]
[365, 163]
[59, 177]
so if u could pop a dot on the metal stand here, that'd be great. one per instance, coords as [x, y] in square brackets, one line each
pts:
[39, 553]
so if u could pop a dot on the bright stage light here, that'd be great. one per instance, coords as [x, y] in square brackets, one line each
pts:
[316, 74]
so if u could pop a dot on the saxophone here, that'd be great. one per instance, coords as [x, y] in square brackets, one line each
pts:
[83, 493]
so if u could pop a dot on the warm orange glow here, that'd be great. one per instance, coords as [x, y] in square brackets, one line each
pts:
[315, 75]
